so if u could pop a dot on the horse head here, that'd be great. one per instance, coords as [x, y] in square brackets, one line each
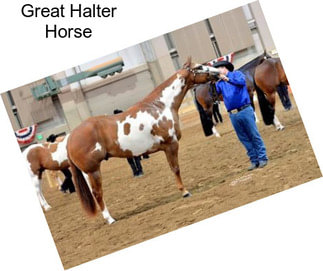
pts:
[199, 73]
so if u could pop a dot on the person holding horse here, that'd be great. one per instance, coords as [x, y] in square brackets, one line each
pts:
[232, 86]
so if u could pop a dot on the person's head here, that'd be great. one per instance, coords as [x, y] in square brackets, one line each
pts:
[223, 70]
[51, 138]
[117, 111]
[224, 66]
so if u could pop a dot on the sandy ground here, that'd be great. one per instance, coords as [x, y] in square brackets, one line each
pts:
[213, 169]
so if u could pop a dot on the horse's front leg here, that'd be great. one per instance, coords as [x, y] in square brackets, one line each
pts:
[171, 152]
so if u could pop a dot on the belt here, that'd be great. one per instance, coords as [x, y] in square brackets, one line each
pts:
[234, 111]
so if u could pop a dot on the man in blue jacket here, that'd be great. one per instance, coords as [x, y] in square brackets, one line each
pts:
[232, 86]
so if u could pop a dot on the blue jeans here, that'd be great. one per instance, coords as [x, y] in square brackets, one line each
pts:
[246, 129]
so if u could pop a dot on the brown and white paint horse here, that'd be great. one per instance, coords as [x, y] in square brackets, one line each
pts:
[149, 126]
[52, 156]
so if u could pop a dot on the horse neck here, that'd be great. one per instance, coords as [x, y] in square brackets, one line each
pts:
[172, 92]
[251, 66]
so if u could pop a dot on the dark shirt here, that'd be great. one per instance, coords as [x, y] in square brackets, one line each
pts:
[234, 92]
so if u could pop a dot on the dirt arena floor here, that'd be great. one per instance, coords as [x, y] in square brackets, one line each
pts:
[213, 169]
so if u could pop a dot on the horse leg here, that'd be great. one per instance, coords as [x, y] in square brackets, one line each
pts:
[277, 124]
[251, 95]
[209, 113]
[95, 180]
[37, 183]
[68, 183]
[272, 99]
[254, 111]
[172, 157]
[214, 111]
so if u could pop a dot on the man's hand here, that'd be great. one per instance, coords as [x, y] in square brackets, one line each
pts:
[223, 77]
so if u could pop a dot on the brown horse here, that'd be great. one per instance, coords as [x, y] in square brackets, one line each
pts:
[205, 95]
[269, 74]
[52, 156]
[149, 126]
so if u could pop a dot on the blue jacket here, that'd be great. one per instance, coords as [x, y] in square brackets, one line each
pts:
[234, 92]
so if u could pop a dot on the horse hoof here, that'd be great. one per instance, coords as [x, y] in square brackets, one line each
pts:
[111, 221]
[218, 135]
[187, 195]
[47, 208]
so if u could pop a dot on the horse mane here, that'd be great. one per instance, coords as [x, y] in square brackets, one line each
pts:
[254, 62]
[161, 87]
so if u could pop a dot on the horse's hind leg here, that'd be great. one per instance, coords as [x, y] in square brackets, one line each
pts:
[96, 184]
[272, 99]
[172, 157]
[37, 183]
[252, 100]
[277, 124]
[209, 113]
[68, 183]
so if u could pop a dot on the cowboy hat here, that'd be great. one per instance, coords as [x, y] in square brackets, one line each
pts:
[224, 63]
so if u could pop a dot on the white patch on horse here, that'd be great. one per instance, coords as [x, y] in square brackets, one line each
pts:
[139, 141]
[277, 124]
[97, 147]
[60, 155]
[215, 132]
[34, 178]
[25, 154]
[87, 179]
[106, 215]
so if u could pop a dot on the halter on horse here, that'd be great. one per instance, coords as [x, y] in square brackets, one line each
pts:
[149, 126]
[269, 74]
[52, 156]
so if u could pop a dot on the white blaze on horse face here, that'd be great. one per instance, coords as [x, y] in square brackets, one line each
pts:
[210, 69]
[139, 141]
[60, 155]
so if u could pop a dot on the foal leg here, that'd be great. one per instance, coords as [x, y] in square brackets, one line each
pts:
[96, 183]
[172, 158]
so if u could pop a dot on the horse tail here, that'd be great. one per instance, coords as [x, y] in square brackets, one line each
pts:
[266, 109]
[83, 191]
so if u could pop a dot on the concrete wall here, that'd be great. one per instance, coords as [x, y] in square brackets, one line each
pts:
[120, 91]
[231, 31]
[193, 40]
[263, 29]
[146, 65]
